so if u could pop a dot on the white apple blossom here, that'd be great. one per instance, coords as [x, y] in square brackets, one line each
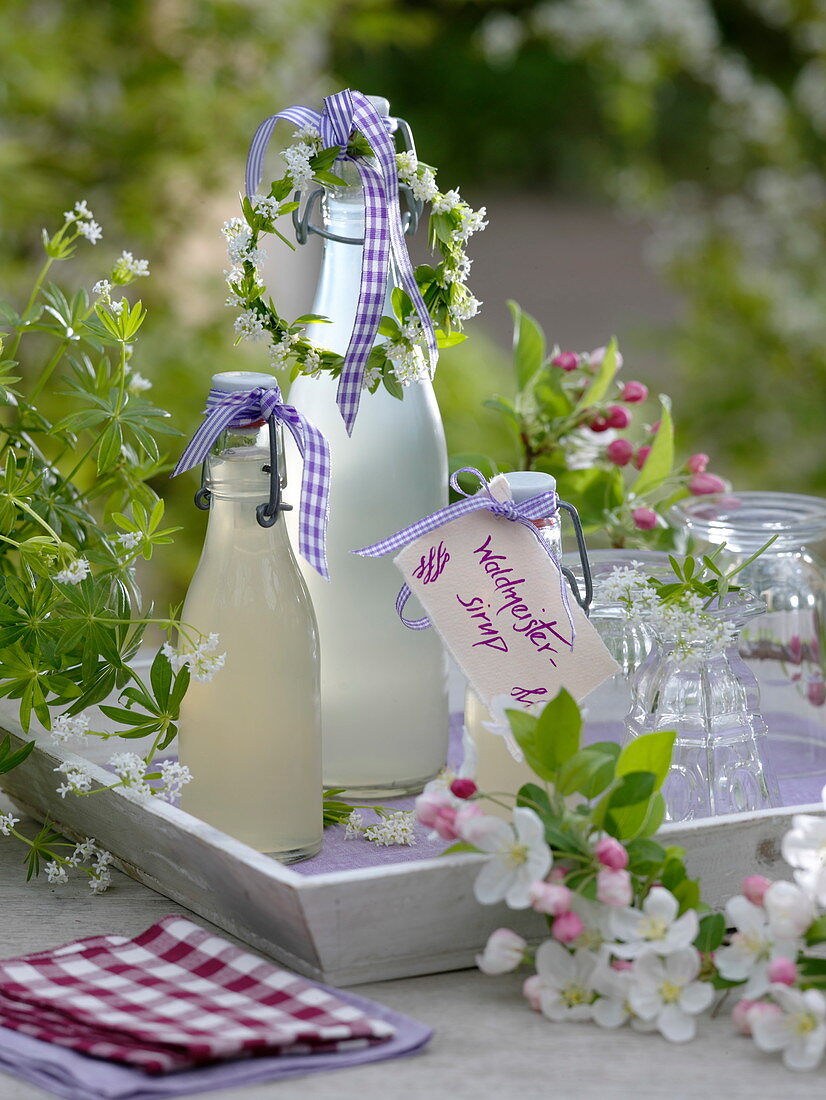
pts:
[790, 910]
[656, 926]
[566, 989]
[800, 1032]
[595, 919]
[665, 990]
[519, 856]
[751, 949]
[804, 849]
[503, 952]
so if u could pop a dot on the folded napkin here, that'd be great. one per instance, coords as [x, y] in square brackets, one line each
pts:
[175, 997]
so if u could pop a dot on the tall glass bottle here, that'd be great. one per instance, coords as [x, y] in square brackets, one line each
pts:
[384, 688]
[252, 735]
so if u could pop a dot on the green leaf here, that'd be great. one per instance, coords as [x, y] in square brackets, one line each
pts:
[817, 931]
[712, 930]
[673, 873]
[589, 771]
[649, 753]
[528, 345]
[459, 846]
[687, 894]
[551, 738]
[645, 857]
[633, 787]
[160, 676]
[10, 760]
[660, 461]
[604, 377]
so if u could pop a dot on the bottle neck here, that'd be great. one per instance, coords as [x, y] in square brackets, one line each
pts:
[550, 531]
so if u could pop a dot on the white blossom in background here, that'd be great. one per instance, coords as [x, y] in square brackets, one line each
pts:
[655, 927]
[503, 952]
[103, 290]
[799, 1031]
[354, 826]
[202, 659]
[66, 727]
[565, 987]
[127, 268]
[77, 779]
[309, 135]
[74, 573]
[613, 1008]
[752, 948]
[137, 383]
[56, 873]
[790, 910]
[84, 221]
[396, 828]
[7, 823]
[804, 849]
[666, 991]
[519, 857]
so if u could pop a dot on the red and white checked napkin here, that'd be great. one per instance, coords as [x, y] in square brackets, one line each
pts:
[173, 997]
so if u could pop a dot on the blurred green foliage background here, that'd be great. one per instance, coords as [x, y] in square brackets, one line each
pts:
[705, 121]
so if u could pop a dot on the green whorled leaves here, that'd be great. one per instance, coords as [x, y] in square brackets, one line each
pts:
[9, 759]
[159, 704]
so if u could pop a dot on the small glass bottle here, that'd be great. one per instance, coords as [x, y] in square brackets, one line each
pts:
[384, 688]
[497, 768]
[252, 735]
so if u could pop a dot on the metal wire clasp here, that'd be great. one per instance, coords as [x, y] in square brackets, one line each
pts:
[583, 599]
[266, 514]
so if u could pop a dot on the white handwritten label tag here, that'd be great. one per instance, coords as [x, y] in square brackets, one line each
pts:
[493, 593]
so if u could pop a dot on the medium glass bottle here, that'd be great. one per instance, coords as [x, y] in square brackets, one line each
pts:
[384, 688]
[498, 766]
[252, 735]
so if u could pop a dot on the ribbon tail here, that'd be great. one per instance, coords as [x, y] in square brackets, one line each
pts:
[299, 116]
[214, 422]
[315, 488]
[412, 624]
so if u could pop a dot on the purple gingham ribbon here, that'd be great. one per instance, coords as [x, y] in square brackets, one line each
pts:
[343, 113]
[224, 410]
[539, 507]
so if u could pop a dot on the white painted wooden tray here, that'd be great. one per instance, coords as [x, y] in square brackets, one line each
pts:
[345, 927]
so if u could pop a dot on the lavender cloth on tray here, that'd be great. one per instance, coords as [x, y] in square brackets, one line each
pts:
[67, 1073]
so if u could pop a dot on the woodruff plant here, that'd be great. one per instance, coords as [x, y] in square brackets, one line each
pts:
[76, 512]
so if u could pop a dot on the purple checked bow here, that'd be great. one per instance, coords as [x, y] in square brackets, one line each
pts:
[539, 507]
[224, 410]
[343, 113]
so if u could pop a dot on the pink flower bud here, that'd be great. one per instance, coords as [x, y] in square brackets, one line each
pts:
[702, 484]
[598, 354]
[645, 519]
[697, 464]
[567, 927]
[566, 360]
[503, 952]
[468, 812]
[550, 898]
[614, 888]
[599, 424]
[795, 649]
[619, 451]
[532, 991]
[740, 1015]
[611, 853]
[754, 888]
[557, 873]
[640, 457]
[435, 809]
[634, 392]
[761, 1008]
[816, 692]
[622, 964]
[782, 970]
[618, 417]
[463, 788]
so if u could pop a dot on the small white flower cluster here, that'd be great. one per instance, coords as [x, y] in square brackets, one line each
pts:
[77, 779]
[7, 823]
[627, 586]
[238, 236]
[75, 572]
[174, 777]
[126, 268]
[137, 383]
[265, 205]
[100, 875]
[297, 158]
[409, 362]
[281, 352]
[464, 308]
[130, 539]
[56, 873]
[68, 727]
[249, 325]
[84, 221]
[419, 177]
[130, 768]
[202, 659]
[447, 202]
[394, 828]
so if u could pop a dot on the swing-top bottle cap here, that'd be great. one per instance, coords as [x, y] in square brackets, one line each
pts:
[525, 484]
[381, 104]
[231, 381]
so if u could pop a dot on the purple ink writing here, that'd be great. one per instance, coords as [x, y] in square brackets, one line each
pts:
[490, 634]
[523, 695]
[432, 565]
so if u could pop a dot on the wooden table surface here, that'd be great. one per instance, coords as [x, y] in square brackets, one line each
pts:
[488, 1043]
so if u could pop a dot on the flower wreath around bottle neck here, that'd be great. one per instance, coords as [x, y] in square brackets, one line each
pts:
[401, 359]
